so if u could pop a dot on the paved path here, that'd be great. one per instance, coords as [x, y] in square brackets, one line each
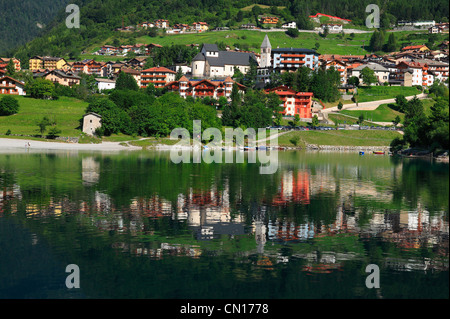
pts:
[369, 106]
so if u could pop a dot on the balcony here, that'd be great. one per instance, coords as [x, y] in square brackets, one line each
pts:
[8, 86]
[292, 55]
[291, 62]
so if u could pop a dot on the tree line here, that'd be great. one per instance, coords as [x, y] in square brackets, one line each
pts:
[422, 130]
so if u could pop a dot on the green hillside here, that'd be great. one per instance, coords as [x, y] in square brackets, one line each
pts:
[100, 18]
[22, 20]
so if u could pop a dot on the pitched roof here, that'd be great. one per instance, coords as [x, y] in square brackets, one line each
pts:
[226, 58]
[63, 74]
[231, 58]
[266, 43]
[210, 47]
[296, 50]
[199, 57]
[159, 69]
[372, 66]
[413, 47]
[8, 77]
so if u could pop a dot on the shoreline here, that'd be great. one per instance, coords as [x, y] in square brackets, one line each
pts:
[13, 145]
[22, 144]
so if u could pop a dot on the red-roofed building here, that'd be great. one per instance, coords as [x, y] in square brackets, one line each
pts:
[294, 102]
[420, 48]
[339, 66]
[162, 24]
[419, 72]
[200, 26]
[159, 76]
[202, 88]
[15, 61]
[11, 86]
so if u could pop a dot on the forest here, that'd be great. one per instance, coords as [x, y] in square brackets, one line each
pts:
[99, 18]
[20, 20]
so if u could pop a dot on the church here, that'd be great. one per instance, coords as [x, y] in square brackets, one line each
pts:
[216, 64]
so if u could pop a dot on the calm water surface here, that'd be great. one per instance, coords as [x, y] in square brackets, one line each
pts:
[139, 226]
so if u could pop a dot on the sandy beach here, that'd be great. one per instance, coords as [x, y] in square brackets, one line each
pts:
[7, 144]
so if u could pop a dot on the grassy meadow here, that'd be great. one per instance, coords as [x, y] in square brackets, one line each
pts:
[374, 93]
[65, 111]
[339, 138]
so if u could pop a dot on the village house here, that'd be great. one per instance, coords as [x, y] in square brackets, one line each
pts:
[162, 24]
[46, 62]
[213, 63]
[289, 25]
[62, 78]
[11, 86]
[6, 62]
[91, 122]
[339, 66]
[200, 26]
[181, 27]
[105, 84]
[269, 20]
[108, 50]
[419, 71]
[380, 71]
[332, 28]
[416, 48]
[290, 59]
[90, 67]
[435, 29]
[250, 26]
[158, 76]
[137, 63]
[294, 102]
[147, 25]
[204, 87]
[114, 68]
[134, 73]
[152, 46]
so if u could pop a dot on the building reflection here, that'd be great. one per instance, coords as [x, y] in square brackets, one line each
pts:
[209, 214]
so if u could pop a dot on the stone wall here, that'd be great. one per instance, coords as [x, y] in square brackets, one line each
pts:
[347, 148]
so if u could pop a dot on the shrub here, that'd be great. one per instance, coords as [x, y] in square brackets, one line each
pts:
[295, 139]
[53, 132]
[8, 105]
[397, 144]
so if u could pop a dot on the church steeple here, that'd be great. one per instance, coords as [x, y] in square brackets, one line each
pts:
[266, 51]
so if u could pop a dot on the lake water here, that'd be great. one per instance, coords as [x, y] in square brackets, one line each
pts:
[139, 226]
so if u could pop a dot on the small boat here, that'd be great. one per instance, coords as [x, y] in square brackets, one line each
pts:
[379, 152]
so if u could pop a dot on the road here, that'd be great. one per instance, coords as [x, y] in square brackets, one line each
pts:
[369, 106]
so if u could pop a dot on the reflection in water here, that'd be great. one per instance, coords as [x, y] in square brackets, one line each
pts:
[320, 215]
